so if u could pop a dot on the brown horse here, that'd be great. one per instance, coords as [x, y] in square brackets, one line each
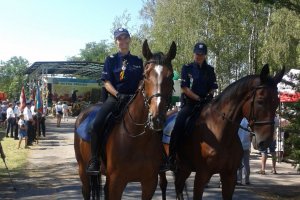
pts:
[133, 149]
[214, 146]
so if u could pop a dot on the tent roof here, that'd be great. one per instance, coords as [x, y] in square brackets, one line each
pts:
[71, 68]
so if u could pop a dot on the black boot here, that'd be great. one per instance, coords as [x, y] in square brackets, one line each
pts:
[94, 165]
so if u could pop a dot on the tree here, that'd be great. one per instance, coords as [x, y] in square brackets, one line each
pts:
[93, 52]
[12, 76]
[292, 5]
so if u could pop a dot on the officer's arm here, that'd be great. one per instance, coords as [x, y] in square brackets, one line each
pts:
[188, 92]
[185, 84]
[110, 88]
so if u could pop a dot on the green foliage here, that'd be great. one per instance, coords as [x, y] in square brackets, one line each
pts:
[12, 76]
[292, 113]
[93, 52]
[241, 35]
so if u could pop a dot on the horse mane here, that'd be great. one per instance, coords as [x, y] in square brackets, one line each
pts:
[240, 86]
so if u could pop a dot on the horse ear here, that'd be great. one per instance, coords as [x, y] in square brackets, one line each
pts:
[172, 51]
[264, 73]
[278, 77]
[146, 51]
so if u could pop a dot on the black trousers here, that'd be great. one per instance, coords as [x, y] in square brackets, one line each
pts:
[42, 126]
[97, 126]
[16, 128]
[10, 126]
[30, 132]
[179, 126]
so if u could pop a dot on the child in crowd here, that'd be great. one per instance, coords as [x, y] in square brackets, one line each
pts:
[23, 131]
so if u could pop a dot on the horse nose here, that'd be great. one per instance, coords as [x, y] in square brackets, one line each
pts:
[157, 122]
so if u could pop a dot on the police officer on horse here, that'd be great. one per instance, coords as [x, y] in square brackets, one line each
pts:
[121, 75]
[198, 82]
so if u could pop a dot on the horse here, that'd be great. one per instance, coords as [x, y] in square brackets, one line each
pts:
[214, 145]
[133, 150]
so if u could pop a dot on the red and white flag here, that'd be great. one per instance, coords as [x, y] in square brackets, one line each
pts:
[22, 100]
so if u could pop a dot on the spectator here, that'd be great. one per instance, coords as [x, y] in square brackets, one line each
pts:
[17, 113]
[34, 117]
[271, 148]
[23, 133]
[59, 113]
[29, 123]
[42, 125]
[245, 138]
[10, 120]
[3, 112]
[65, 111]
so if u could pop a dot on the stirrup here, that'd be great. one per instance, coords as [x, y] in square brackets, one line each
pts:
[93, 167]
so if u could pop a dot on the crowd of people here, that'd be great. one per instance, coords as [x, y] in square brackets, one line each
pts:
[23, 124]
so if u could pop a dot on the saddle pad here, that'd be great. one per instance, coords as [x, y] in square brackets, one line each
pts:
[168, 128]
[83, 128]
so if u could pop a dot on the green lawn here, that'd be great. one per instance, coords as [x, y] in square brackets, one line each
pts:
[15, 158]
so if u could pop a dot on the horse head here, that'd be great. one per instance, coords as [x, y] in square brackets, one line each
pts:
[260, 107]
[158, 84]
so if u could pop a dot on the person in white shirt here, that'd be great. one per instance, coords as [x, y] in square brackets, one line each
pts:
[245, 138]
[10, 120]
[65, 111]
[29, 123]
[17, 113]
[59, 113]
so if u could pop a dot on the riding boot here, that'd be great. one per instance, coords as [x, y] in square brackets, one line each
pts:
[94, 165]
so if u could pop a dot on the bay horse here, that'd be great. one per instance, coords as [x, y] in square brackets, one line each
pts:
[134, 150]
[214, 145]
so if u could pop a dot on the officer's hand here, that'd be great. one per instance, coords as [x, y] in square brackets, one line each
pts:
[121, 97]
[209, 96]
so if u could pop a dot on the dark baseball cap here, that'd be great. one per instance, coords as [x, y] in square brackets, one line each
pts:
[200, 48]
[121, 31]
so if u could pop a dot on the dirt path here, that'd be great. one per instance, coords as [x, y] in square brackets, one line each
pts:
[51, 173]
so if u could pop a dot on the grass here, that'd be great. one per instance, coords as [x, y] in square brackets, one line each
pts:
[15, 158]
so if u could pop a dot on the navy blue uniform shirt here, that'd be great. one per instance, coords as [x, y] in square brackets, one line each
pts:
[199, 79]
[124, 72]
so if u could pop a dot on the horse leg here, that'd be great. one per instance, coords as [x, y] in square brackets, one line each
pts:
[105, 188]
[201, 179]
[163, 183]
[180, 177]
[148, 187]
[228, 179]
[116, 186]
[86, 189]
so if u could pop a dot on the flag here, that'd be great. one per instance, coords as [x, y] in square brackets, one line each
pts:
[38, 100]
[22, 99]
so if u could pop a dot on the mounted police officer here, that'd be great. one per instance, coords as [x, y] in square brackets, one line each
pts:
[198, 83]
[121, 75]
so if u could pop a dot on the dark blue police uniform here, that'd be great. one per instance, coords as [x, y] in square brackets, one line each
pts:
[201, 80]
[124, 73]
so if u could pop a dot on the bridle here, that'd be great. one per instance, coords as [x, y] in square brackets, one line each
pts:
[147, 102]
[252, 118]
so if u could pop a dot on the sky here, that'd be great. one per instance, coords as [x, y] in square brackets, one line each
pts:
[52, 30]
